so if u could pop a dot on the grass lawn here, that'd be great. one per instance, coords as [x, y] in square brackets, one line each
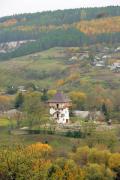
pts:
[21, 70]
[60, 143]
[4, 122]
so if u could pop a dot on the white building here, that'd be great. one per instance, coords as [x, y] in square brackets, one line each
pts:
[21, 89]
[115, 67]
[59, 108]
[94, 115]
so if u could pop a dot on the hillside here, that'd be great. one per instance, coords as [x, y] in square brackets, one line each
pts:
[71, 65]
[67, 28]
[77, 72]
[99, 26]
[60, 95]
[74, 50]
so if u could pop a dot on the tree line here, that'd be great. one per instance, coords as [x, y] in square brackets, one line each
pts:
[59, 28]
[39, 161]
[66, 38]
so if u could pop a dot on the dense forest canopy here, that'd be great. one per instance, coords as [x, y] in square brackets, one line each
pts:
[73, 27]
[63, 16]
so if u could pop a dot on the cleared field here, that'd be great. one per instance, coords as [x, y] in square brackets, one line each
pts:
[32, 68]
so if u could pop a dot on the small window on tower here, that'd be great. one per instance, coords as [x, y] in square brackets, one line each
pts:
[57, 115]
[67, 120]
[57, 105]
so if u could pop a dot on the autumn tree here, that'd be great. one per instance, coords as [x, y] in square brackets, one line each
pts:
[107, 138]
[52, 92]
[60, 83]
[35, 110]
[98, 172]
[79, 99]
[65, 169]
[114, 163]
[5, 103]
[31, 162]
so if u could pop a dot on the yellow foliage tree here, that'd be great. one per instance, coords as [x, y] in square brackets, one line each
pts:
[81, 155]
[67, 169]
[43, 149]
[98, 26]
[52, 92]
[98, 172]
[114, 162]
[60, 82]
[77, 95]
[78, 98]
[73, 77]
[5, 102]
[99, 156]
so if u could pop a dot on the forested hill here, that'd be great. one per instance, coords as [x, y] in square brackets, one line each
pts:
[75, 27]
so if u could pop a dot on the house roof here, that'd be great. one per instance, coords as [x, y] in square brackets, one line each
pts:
[59, 98]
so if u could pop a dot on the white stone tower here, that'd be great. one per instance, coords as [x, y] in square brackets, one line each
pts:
[59, 108]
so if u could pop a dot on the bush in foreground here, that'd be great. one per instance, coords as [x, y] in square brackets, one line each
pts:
[37, 161]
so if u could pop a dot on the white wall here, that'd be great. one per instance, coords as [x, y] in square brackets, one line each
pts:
[63, 115]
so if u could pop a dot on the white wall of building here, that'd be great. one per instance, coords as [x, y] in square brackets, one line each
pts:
[61, 114]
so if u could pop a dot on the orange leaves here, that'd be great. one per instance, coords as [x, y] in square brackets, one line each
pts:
[73, 77]
[96, 171]
[85, 163]
[25, 162]
[4, 99]
[77, 95]
[67, 169]
[78, 98]
[5, 102]
[114, 162]
[38, 164]
[9, 22]
[25, 28]
[39, 148]
[105, 25]
[96, 163]
[98, 156]
[42, 28]
[60, 82]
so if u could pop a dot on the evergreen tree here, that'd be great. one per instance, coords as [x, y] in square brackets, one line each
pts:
[44, 97]
[105, 112]
[19, 101]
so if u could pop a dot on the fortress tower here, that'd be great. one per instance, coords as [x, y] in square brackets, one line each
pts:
[59, 108]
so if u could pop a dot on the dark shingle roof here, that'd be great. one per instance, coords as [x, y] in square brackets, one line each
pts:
[59, 98]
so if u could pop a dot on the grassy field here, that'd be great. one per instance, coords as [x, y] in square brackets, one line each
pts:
[60, 143]
[4, 122]
[46, 68]
[31, 68]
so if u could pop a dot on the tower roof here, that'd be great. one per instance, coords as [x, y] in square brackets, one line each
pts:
[59, 98]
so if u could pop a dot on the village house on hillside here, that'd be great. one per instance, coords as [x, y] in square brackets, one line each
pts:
[59, 108]
[115, 67]
[22, 89]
